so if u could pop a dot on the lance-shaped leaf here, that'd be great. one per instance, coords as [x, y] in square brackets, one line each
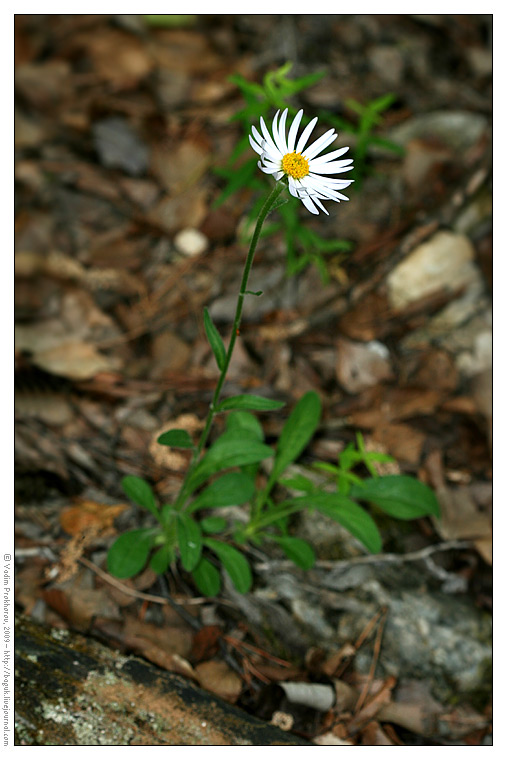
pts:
[189, 541]
[249, 401]
[399, 496]
[298, 551]
[234, 563]
[297, 432]
[228, 451]
[349, 514]
[129, 553]
[140, 492]
[244, 424]
[215, 341]
[206, 577]
[231, 489]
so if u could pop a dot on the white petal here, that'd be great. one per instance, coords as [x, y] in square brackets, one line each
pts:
[291, 141]
[319, 145]
[330, 156]
[265, 169]
[267, 136]
[293, 190]
[321, 205]
[310, 205]
[326, 191]
[306, 135]
[281, 132]
[335, 167]
[338, 184]
[257, 148]
[257, 135]
[279, 175]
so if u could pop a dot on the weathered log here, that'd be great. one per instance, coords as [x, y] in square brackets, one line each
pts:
[71, 690]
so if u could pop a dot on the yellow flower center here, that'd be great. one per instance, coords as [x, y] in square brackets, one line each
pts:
[296, 165]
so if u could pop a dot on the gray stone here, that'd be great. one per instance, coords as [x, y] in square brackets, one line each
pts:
[445, 261]
[457, 129]
[427, 635]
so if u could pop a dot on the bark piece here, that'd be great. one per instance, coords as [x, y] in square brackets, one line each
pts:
[73, 691]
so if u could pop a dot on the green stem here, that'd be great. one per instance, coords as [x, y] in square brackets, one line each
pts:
[267, 207]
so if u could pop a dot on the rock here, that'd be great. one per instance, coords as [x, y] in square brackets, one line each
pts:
[361, 365]
[427, 635]
[119, 146]
[444, 262]
[457, 129]
[387, 61]
[191, 242]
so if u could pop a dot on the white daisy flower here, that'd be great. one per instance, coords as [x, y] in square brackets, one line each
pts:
[305, 170]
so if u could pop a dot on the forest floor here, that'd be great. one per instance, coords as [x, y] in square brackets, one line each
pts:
[120, 126]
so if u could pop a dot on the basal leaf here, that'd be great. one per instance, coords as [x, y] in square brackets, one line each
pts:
[248, 401]
[234, 563]
[231, 489]
[189, 541]
[400, 496]
[215, 341]
[207, 578]
[129, 553]
[213, 524]
[161, 559]
[140, 492]
[349, 514]
[298, 551]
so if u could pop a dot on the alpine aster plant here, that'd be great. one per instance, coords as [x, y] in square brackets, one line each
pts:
[305, 170]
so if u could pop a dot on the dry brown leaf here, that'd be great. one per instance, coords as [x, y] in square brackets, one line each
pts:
[461, 514]
[374, 736]
[217, 677]
[89, 514]
[76, 360]
[171, 639]
[78, 606]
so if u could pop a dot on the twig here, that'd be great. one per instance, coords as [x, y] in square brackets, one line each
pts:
[373, 665]
[373, 559]
[132, 591]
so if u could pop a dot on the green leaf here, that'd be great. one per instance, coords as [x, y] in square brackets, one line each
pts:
[244, 424]
[140, 492]
[228, 451]
[247, 401]
[189, 541]
[349, 514]
[129, 553]
[207, 578]
[176, 437]
[213, 524]
[234, 563]
[400, 496]
[215, 341]
[296, 433]
[161, 560]
[298, 483]
[233, 488]
[298, 551]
